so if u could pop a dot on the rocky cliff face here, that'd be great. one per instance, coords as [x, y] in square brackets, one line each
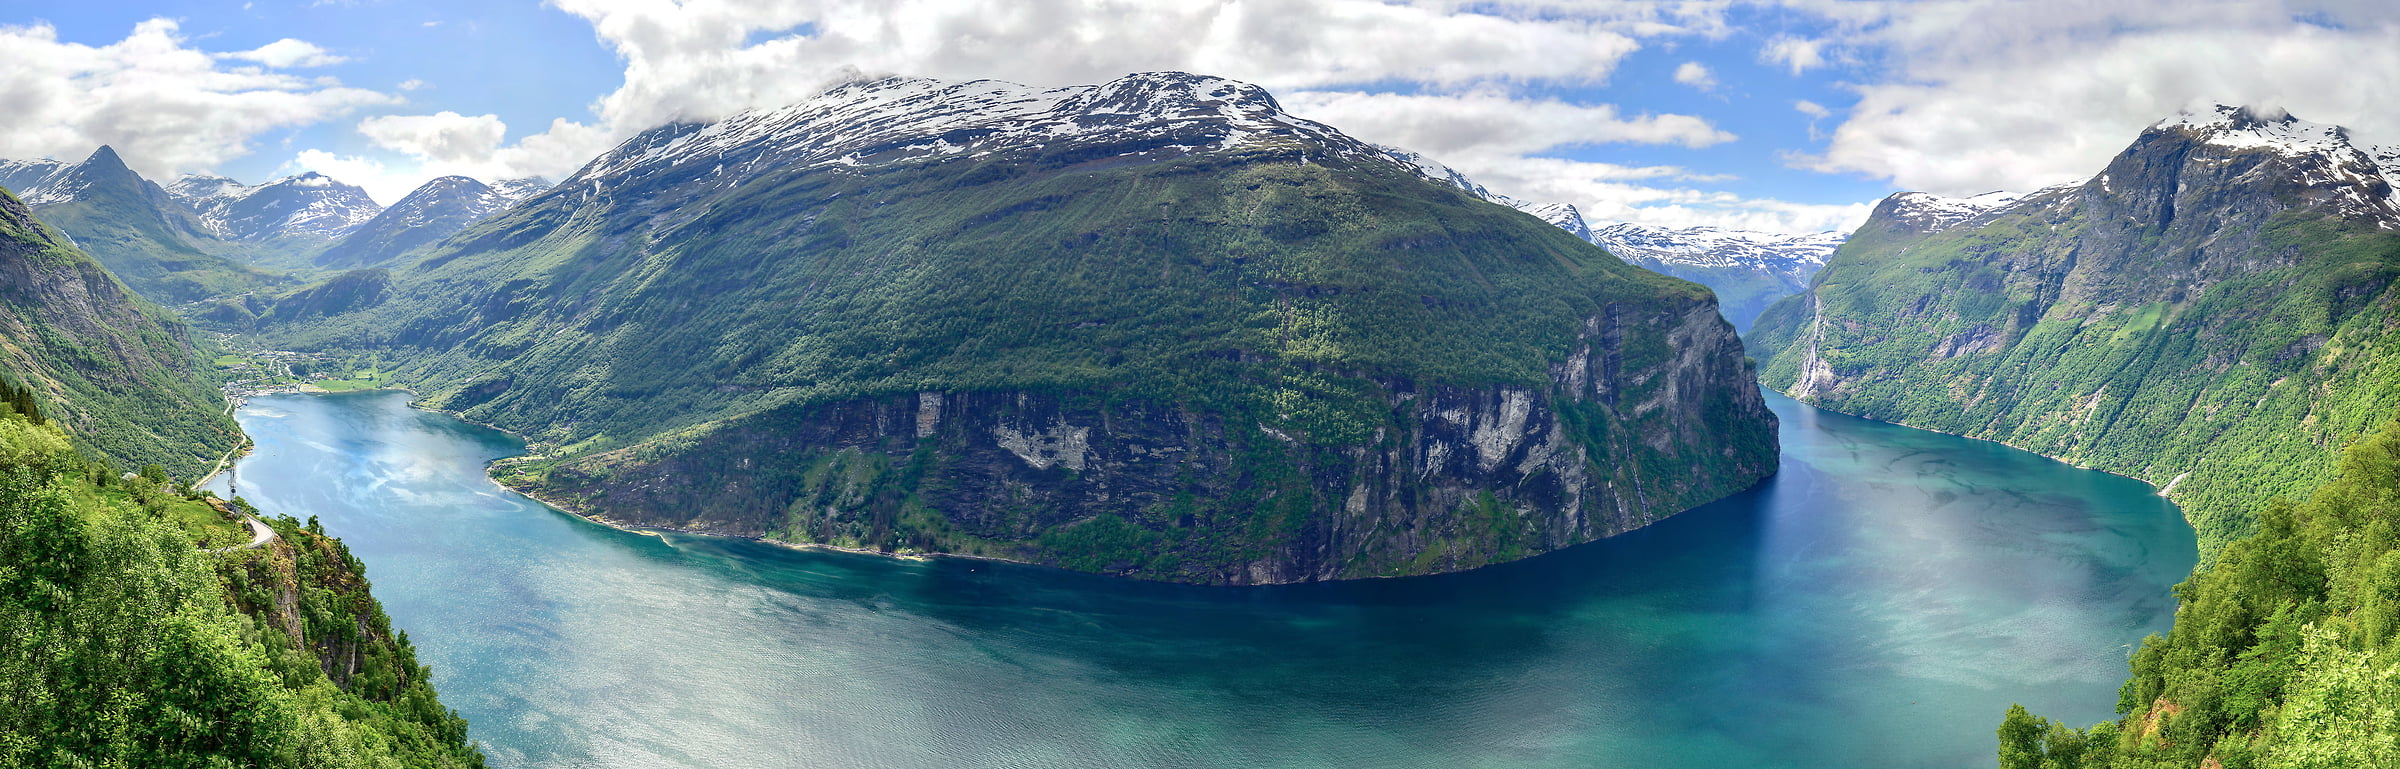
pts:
[2209, 313]
[1453, 478]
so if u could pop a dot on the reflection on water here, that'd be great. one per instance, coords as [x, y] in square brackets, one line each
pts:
[1877, 604]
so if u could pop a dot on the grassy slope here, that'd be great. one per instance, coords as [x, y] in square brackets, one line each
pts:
[2250, 387]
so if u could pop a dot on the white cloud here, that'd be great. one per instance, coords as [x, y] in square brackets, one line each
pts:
[444, 137]
[1497, 141]
[287, 53]
[1462, 72]
[1696, 75]
[449, 144]
[2048, 92]
[1800, 54]
[692, 59]
[383, 183]
[1812, 109]
[1651, 195]
[411, 84]
[167, 107]
[1491, 123]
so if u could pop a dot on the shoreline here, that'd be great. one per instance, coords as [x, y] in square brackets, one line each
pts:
[645, 529]
[655, 531]
[2160, 492]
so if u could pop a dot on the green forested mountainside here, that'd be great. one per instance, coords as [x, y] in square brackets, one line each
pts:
[2283, 655]
[2217, 320]
[149, 241]
[1269, 321]
[124, 645]
[119, 371]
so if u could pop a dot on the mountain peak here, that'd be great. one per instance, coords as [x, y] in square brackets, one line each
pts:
[1927, 212]
[309, 204]
[2316, 162]
[2244, 127]
[104, 157]
[436, 209]
[1563, 215]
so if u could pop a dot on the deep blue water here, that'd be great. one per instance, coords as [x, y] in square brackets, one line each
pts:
[1877, 604]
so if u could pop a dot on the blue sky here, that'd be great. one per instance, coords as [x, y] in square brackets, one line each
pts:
[1791, 116]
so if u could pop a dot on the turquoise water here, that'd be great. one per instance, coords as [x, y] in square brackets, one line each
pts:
[1877, 604]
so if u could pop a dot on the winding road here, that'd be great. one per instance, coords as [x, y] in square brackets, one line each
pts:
[261, 535]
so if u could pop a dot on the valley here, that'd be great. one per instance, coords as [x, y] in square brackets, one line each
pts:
[915, 421]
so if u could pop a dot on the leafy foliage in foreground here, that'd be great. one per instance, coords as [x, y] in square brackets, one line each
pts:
[120, 644]
[2285, 655]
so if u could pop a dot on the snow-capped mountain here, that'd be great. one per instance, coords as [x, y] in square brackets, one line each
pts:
[1561, 215]
[2321, 163]
[1795, 255]
[1432, 169]
[520, 188]
[2357, 179]
[21, 177]
[1748, 270]
[310, 205]
[433, 211]
[891, 120]
[132, 226]
[102, 180]
[1928, 212]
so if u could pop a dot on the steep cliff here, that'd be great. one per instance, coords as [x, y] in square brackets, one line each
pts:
[1352, 369]
[119, 371]
[1451, 477]
[2213, 313]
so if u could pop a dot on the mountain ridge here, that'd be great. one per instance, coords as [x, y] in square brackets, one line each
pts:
[434, 210]
[134, 227]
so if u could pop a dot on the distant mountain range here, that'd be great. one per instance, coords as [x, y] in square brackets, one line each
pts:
[209, 237]
[434, 211]
[154, 243]
[308, 206]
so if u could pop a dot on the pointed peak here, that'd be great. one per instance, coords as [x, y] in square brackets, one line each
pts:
[104, 157]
